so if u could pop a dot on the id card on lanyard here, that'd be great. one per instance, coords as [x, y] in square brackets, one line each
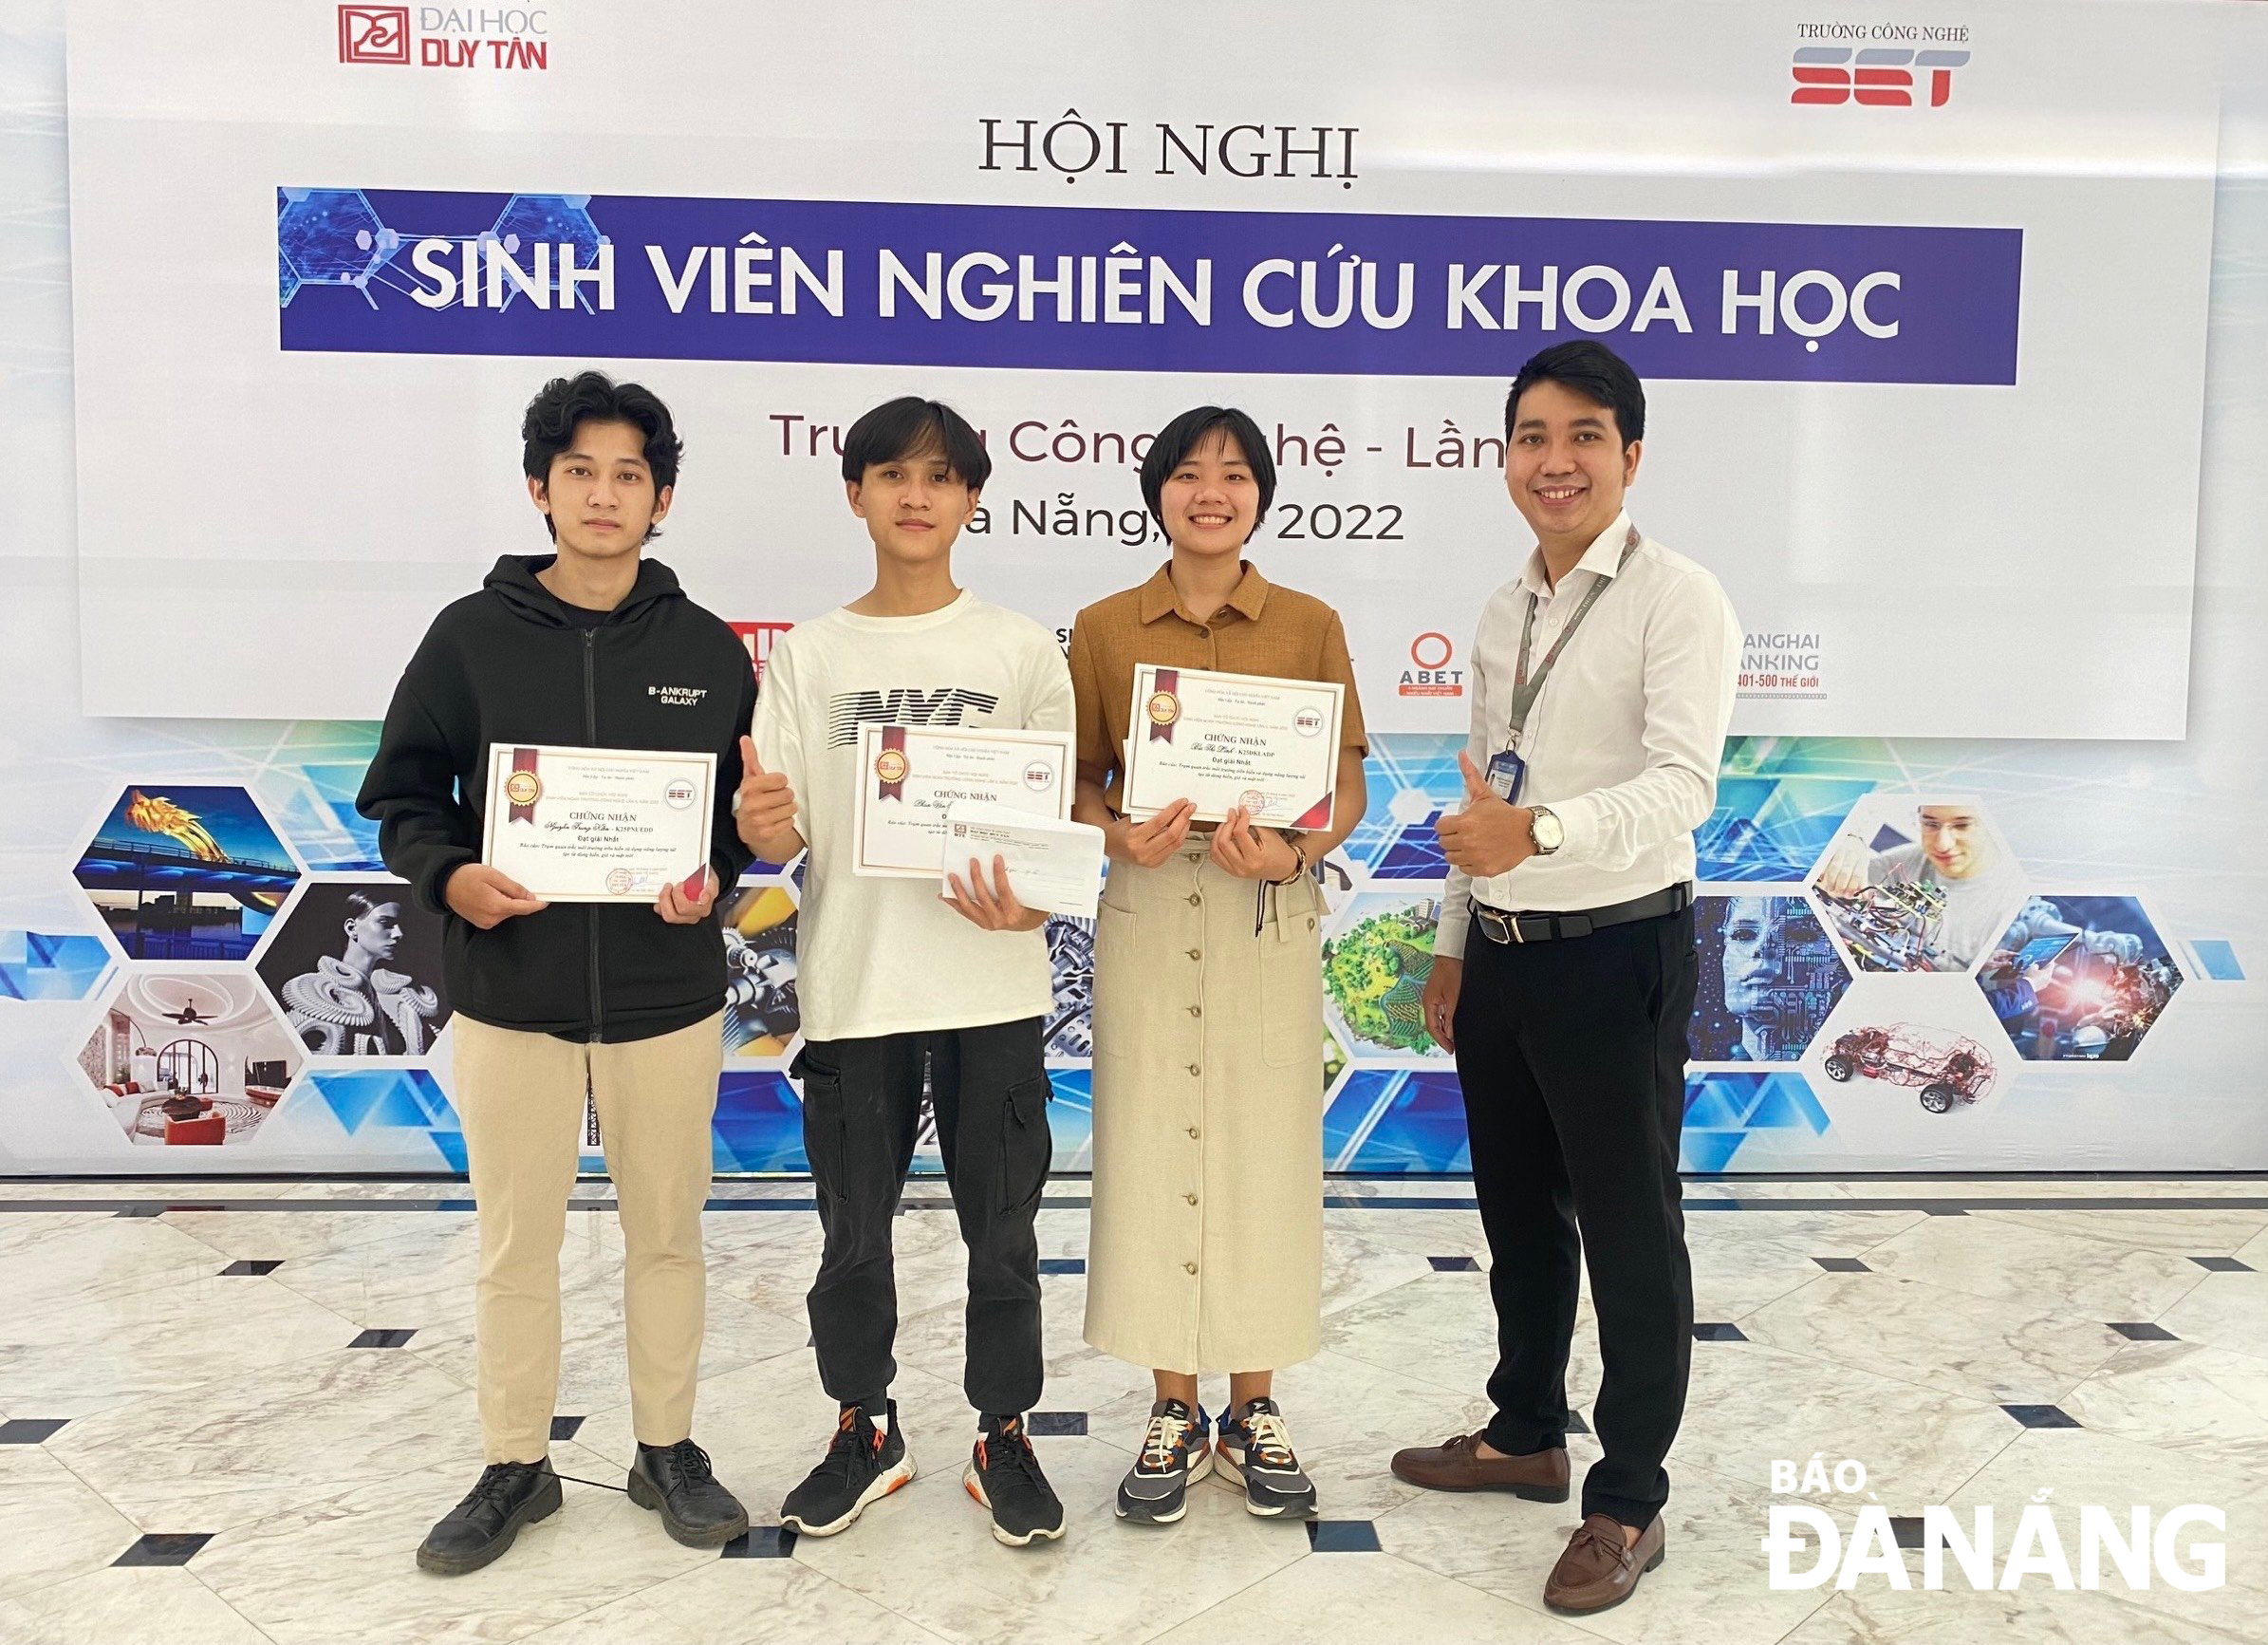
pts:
[1507, 771]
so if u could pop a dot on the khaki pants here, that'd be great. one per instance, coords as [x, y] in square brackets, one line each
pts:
[519, 1097]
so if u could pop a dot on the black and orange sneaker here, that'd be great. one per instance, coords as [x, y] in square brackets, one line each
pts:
[865, 1462]
[1004, 1475]
[1256, 1452]
[1174, 1455]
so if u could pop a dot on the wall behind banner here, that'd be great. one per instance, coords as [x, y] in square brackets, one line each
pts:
[198, 971]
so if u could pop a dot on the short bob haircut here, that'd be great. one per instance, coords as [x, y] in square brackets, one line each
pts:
[1193, 428]
[1592, 370]
[564, 403]
[908, 427]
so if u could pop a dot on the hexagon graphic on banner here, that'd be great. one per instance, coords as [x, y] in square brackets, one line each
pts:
[1918, 882]
[1768, 975]
[762, 1018]
[1900, 1056]
[328, 238]
[186, 871]
[188, 1058]
[46, 965]
[356, 966]
[1724, 1108]
[1376, 960]
[2080, 978]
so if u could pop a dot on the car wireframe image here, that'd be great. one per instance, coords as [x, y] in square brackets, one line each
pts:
[1950, 1068]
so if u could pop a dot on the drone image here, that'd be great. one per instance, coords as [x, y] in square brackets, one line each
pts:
[1949, 1067]
[1890, 928]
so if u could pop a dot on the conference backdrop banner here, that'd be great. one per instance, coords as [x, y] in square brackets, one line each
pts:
[1879, 274]
[1922, 301]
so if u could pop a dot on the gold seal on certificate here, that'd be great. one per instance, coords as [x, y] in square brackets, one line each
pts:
[597, 825]
[1234, 741]
[910, 776]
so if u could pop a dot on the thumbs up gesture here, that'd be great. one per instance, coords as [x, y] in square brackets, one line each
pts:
[765, 811]
[1487, 837]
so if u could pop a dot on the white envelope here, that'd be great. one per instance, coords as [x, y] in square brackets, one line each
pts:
[1051, 865]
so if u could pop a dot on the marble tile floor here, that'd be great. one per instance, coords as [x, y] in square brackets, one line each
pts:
[194, 1446]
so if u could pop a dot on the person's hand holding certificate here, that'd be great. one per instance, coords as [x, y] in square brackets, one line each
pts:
[597, 825]
[910, 776]
[1269, 748]
[1050, 865]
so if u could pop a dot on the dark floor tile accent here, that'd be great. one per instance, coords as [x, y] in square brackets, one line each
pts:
[2222, 1264]
[2041, 1415]
[566, 1427]
[1343, 1536]
[165, 1549]
[762, 1542]
[1717, 1331]
[1906, 1530]
[252, 1267]
[1944, 1211]
[1063, 1265]
[1575, 1423]
[384, 1339]
[1842, 1264]
[1454, 1265]
[2142, 1331]
[1059, 1423]
[29, 1430]
[142, 1211]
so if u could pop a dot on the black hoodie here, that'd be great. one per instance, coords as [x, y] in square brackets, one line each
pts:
[510, 665]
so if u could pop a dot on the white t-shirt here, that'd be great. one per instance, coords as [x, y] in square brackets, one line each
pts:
[883, 956]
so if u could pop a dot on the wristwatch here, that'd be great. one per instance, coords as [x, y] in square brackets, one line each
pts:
[1545, 831]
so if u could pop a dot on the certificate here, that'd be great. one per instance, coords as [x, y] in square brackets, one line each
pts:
[1228, 741]
[597, 825]
[1054, 865]
[910, 776]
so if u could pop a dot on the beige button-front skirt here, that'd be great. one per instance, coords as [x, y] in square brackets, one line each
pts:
[1206, 1251]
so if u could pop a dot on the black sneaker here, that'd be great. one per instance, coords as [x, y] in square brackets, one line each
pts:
[480, 1528]
[1256, 1452]
[865, 1462]
[1174, 1455]
[676, 1480]
[1003, 1474]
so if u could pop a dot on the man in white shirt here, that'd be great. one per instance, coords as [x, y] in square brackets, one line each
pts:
[903, 990]
[1565, 965]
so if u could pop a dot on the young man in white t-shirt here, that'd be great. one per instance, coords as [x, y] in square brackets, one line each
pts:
[902, 987]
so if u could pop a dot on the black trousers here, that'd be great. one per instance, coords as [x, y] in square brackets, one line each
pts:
[861, 1102]
[1573, 1058]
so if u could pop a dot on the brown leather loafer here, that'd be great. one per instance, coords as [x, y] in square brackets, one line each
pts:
[1598, 1571]
[1456, 1464]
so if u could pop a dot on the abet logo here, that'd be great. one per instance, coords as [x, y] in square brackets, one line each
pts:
[1432, 676]
[1878, 77]
[374, 35]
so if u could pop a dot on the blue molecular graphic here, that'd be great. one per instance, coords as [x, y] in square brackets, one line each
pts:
[329, 237]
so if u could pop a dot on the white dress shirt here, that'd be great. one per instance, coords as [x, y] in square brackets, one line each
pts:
[1622, 743]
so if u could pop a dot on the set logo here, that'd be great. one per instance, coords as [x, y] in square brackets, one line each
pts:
[1429, 674]
[1877, 65]
[759, 638]
[374, 35]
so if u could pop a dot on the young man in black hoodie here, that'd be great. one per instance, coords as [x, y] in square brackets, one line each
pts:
[593, 645]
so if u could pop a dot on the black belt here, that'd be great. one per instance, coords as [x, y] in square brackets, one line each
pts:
[1502, 927]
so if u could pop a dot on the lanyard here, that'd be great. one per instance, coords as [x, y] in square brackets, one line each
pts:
[1524, 690]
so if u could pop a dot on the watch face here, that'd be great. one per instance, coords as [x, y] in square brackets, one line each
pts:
[1547, 831]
